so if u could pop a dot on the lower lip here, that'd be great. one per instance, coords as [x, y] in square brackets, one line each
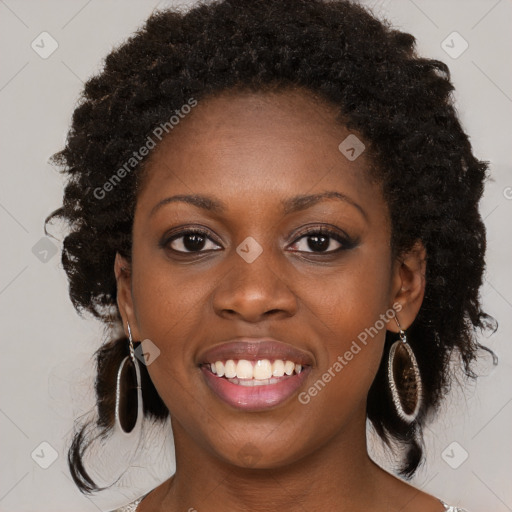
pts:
[254, 398]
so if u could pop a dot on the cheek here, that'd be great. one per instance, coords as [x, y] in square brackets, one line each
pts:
[353, 296]
[351, 311]
[168, 313]
[165, 299]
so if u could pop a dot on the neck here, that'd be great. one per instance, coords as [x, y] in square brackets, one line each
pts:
[337, 474]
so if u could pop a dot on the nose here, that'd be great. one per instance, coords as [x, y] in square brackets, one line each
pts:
[254, 291]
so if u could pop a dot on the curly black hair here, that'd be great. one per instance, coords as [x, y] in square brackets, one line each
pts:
[399, 103]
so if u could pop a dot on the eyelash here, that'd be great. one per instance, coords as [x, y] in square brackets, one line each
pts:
[345, 242]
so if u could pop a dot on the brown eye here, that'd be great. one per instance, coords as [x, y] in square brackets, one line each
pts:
[316, 243]
[322, 241]
[190, 241]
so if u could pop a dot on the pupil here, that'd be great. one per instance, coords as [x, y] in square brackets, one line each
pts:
[318, 245]
[193, 242]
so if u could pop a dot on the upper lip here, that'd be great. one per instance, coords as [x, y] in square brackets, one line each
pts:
[253, 349]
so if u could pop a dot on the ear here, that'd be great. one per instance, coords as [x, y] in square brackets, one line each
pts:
[408, 285]
[122, 271]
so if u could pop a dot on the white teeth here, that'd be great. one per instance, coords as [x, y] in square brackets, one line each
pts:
[289, 366]
[254, 382]
[219, 366]
[244, 369]
[278, 368]
[261, 370]
[230, 369]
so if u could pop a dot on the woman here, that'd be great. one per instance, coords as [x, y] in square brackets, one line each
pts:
[276, 203]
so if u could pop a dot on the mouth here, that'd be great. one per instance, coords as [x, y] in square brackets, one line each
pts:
[255, 375]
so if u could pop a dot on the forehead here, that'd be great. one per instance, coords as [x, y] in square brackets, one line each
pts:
[256, 145]
[239, 121]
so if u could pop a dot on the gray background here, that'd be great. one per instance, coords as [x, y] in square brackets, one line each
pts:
[46, 368]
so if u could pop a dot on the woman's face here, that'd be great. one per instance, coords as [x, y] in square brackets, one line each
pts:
[256, 274]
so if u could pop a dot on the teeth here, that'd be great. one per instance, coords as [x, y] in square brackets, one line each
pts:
[219, 366]
[254, 382]
[244, 369]
[278, 368]
[262, 370]
[289, 367]
[230, 369]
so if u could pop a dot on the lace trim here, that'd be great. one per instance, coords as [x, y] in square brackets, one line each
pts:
[131, 507]
[449, 508]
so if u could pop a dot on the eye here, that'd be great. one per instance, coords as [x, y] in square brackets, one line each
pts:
[189, 241]
[322, 240]
[315, 240]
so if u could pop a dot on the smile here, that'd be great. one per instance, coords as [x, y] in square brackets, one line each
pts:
[254, 385]
[261, 369]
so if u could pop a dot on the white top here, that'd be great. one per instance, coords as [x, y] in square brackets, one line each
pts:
[132, 507]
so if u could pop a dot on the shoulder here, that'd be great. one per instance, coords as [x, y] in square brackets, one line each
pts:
[408, 498]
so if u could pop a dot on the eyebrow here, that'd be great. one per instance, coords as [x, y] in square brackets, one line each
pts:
[290, 205]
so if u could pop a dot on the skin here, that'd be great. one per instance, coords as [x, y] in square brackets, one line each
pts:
[251, 151]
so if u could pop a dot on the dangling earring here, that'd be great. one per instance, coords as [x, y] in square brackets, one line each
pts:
[118, 450]
[404, 378]
[125, 421]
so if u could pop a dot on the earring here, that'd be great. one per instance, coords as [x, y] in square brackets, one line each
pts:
[127, 388]
[118, 450]
[404, 378]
